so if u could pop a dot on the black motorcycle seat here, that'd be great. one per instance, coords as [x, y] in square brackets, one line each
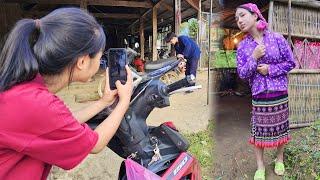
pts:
[159, 63]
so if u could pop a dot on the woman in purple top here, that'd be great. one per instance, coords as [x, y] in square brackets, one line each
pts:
[264, 58]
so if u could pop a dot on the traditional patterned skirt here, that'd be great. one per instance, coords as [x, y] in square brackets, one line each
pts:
[270, 124]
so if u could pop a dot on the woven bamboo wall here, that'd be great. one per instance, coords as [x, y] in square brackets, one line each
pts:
[304, 97]
[304, 84]
[305, 21]
[9, 15]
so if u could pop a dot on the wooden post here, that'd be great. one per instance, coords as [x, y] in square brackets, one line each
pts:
[209, 57]
[289, 21]
[193, 4]
[199, 24]
[177, 16]
[84, 4]
[199, 33]
[310, 3]
[270, 15]
[141, 29]
[154, 34]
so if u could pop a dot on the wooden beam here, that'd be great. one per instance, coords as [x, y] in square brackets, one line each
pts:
[165, 12]
[194, 4]
[209, 47]
[154, 34]
[289, 20]
[167, 7]
[270, 15]
[145, 13]
[177, 16]
[170, 20]
[84, 4]
[136, 4]
[158, 4]
[217, 7]
[120, 25]
[141, 29]
[98, 15]
[142, 16]
[306, 3]
[116, 16]
[199, 25]
[182, 11]
[45, 1]
[35, 7]
[139, 4]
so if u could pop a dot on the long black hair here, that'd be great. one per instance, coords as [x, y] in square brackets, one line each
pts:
[49, 45]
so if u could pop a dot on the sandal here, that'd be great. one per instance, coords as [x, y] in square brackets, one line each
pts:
[260, 174]
[279, 168]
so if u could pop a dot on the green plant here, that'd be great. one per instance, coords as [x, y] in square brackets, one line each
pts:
[193, 27]
[303, 154]
[201, 146]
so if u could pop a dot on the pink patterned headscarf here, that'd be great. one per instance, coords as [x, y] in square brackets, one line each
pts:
[262, 23]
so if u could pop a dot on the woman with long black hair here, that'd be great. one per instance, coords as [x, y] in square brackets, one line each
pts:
[39, 58]
[264, 58]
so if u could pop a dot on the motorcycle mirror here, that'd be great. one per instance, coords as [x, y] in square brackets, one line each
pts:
[136, 45]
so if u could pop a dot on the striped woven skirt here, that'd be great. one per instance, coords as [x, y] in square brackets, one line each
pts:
[269, 122]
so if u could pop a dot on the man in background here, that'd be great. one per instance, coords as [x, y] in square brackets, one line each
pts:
[186, 48]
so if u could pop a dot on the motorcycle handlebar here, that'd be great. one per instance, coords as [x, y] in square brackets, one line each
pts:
[189, 80]
[177, 85]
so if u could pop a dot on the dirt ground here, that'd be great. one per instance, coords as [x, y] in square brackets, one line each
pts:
[189, 112]
[234, 156]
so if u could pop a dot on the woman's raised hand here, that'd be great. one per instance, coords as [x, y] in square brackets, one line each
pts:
[125, 90]
[109, 95]
[259, 51]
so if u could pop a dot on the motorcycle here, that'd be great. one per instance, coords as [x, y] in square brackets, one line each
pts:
[151, 152]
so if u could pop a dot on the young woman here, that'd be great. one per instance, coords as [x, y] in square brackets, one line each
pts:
[264, 58]
[38, 59]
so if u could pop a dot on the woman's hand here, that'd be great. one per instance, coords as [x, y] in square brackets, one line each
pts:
[263, 69]
[125, 91]
[108, 127]
[259, 51]
[109, 95]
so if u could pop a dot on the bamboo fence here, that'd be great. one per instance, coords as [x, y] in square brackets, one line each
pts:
[304, 84]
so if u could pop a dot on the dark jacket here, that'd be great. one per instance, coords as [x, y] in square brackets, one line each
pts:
[187, 47]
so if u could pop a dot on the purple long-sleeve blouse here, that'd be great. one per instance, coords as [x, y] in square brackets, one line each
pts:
[278, 56]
